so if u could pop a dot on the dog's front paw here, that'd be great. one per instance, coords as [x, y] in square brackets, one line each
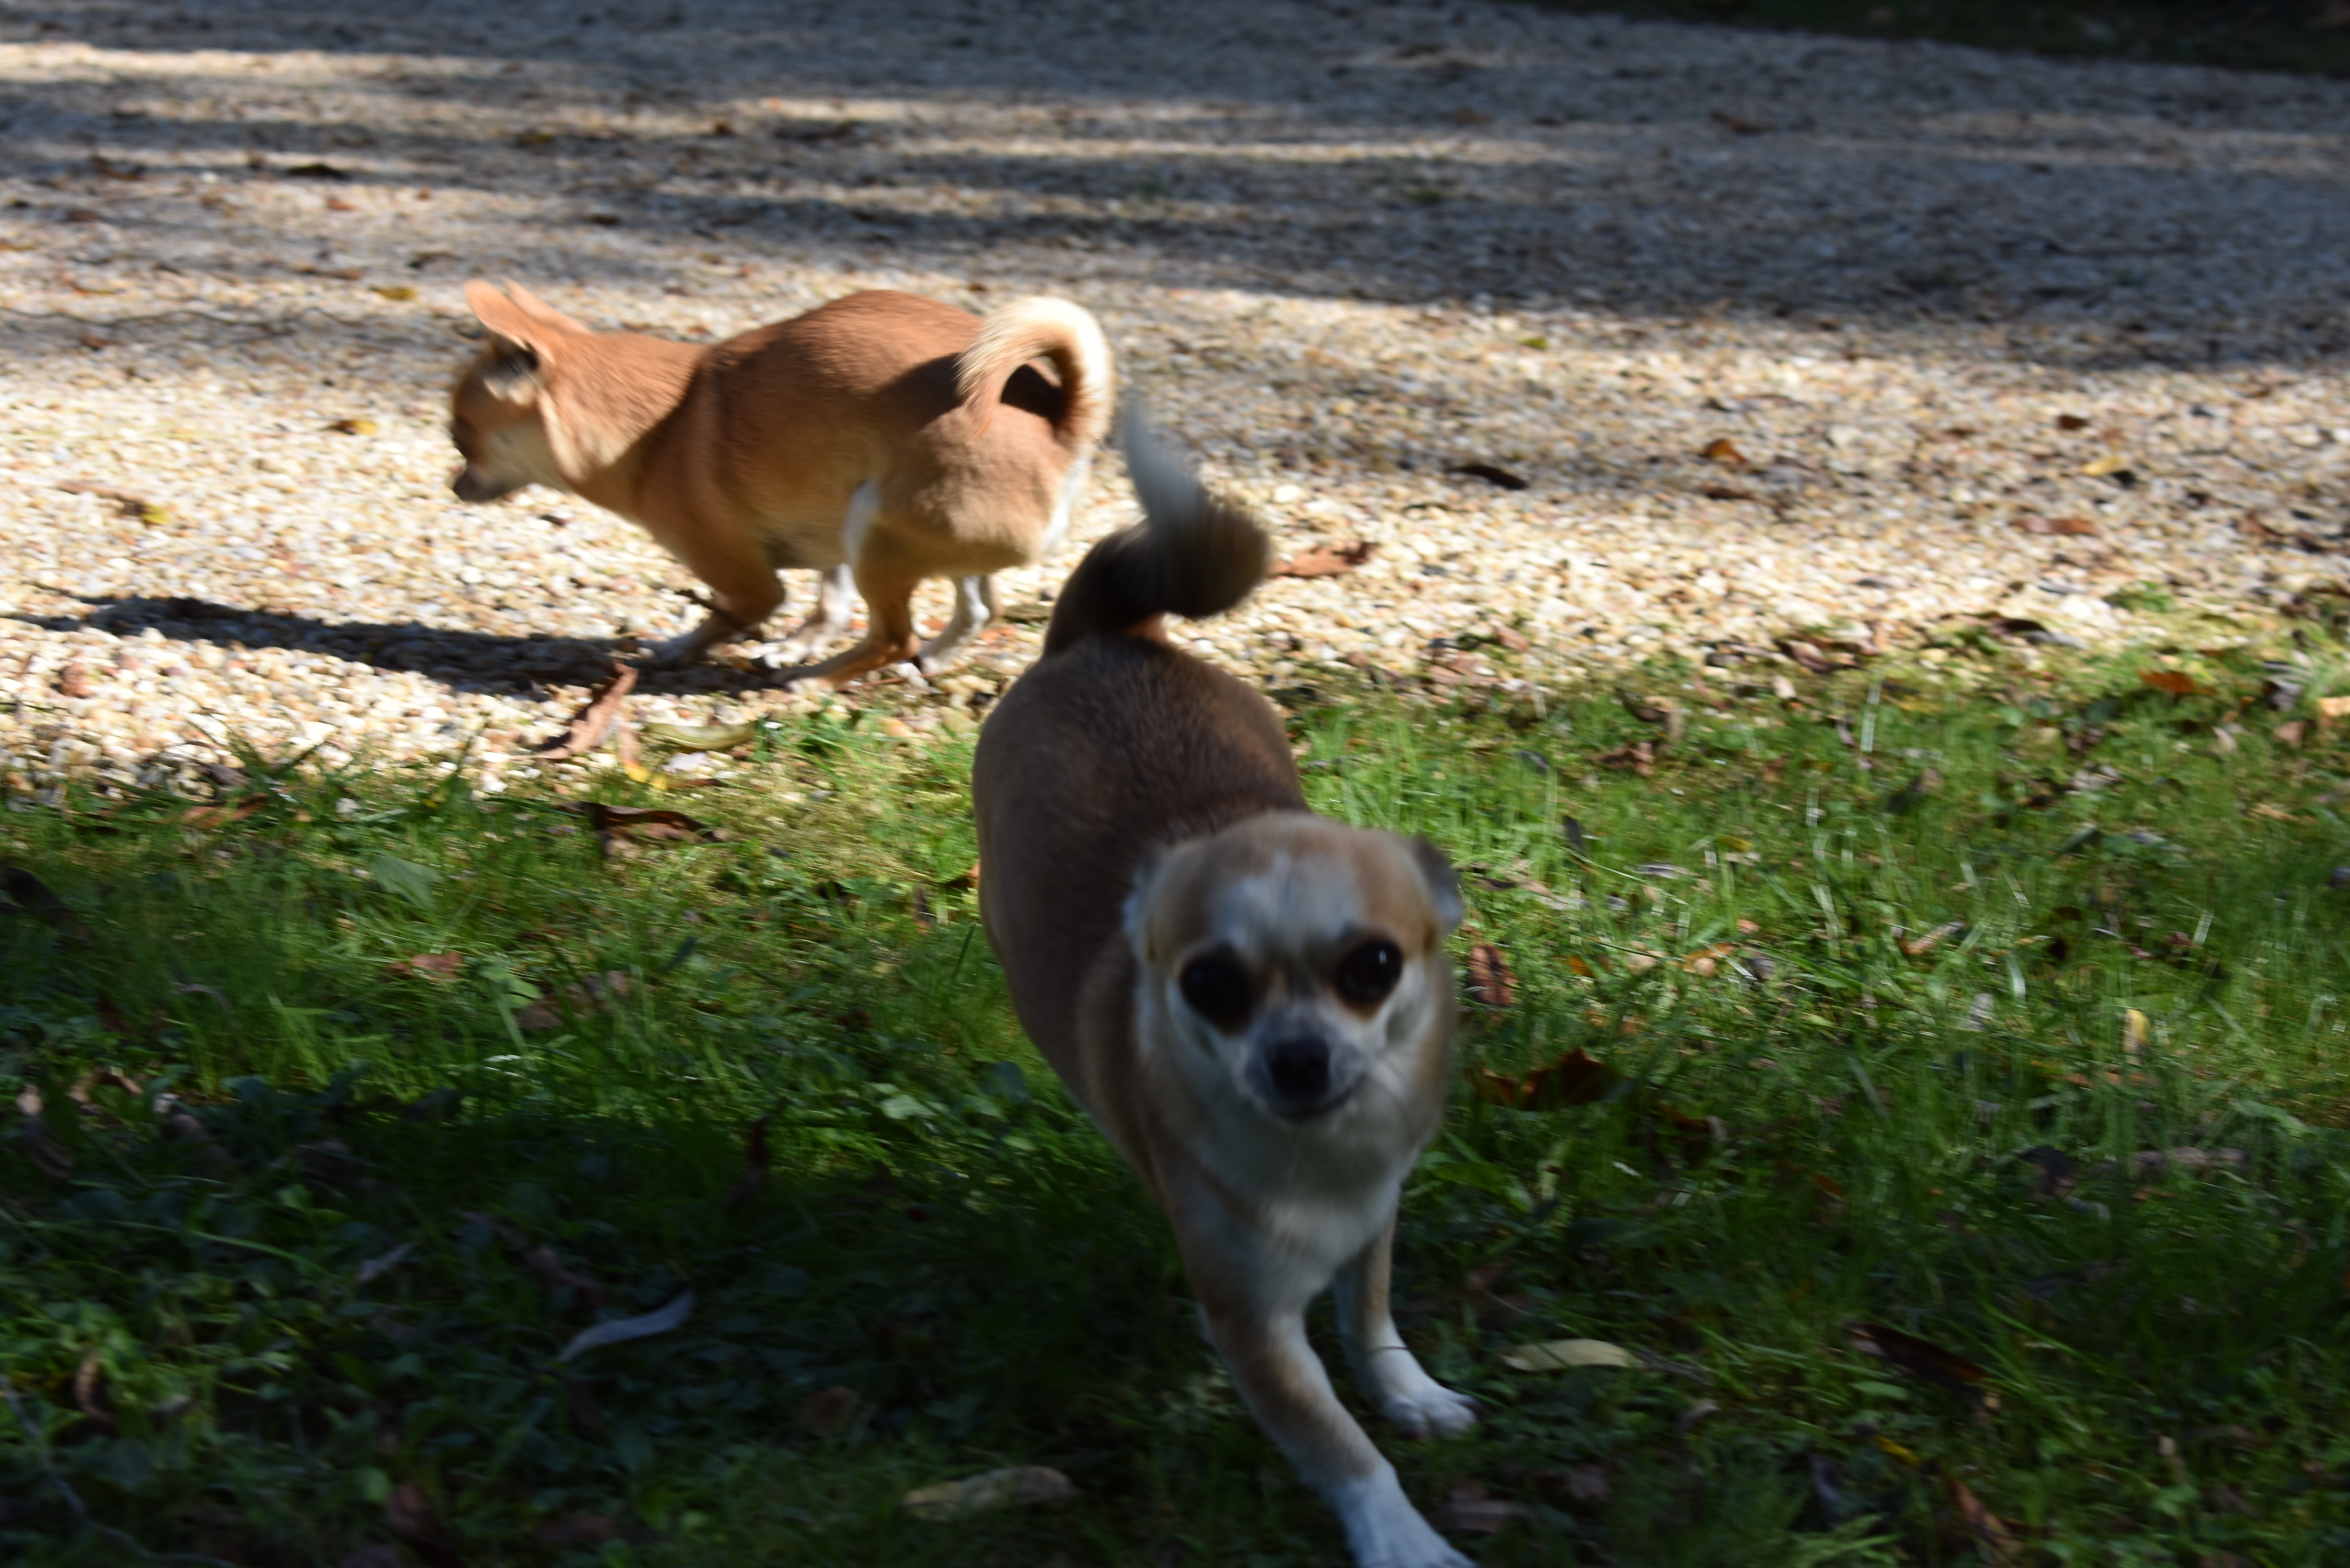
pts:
[1406, 1394]
[1386, 1531]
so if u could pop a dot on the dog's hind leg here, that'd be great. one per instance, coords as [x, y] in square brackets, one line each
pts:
[1289, 1392]
[974, 607]
[1390, 1376]
[889, 632]
[743, 592]
[835, 599]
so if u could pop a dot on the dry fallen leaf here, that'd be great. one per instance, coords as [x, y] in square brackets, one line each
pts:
[2061, 526]
[73, 682]
[575, 1530]
[620, 1330]
[1467, 1511]
[1577, 1078]
[1490, 474]
[2177, 682]
[1722, 450]
[2072, 422]
[129, 502]
[1559, 1355]
[1491, 982]
[1323, 560]
[2136, 1033]
[2099, 467]
[597, 993]
[1992, 1538]
[1919, 946]
[1022, 1486]
[407, 1513]
[703, 737]
[426, 966]
[2331, 709]
[828, 1412]
[353, 426]
[2291, 732]
[547, 1264]
[755, 1165]
[1924, 1360]
[398, 293]
[588, 727]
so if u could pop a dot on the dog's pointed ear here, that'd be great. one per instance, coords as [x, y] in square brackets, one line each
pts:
[1443, 881]
[539, 311]
[518, 348]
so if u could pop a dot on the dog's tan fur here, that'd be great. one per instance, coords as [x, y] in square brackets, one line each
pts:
[882, 437]
[1139, 823]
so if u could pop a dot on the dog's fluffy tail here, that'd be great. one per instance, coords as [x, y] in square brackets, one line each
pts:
[1043, 328]
[1192, 554]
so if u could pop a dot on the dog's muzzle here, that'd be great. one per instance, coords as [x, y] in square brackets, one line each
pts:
[1305, 1074]
[471, 486]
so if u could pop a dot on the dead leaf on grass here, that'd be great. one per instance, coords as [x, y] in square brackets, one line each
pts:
[588, 727]
[1468, 1510]
[1924, 1360]
[205, 816]
[597, 993]
[547, 1263]
[828, 1412]
[654, 823]
[2177, 682]
[87, 1391]
[1919, 946]
[1022, 1486]
[1325, 560]
[1993, 1540]
[426, 966]
[577, 1530]
[407, 1513]
[1577, 1078]
[754, 1166]
[1724, 451]
[1490, 981]
[1561, 1355]
[620, 1330]
[2291, 732]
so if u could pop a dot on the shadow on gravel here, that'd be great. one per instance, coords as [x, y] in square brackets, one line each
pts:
[1942, 195]
[464, 660]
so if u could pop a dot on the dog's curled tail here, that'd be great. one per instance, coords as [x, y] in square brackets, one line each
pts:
[1192, 554]
[1043, 328]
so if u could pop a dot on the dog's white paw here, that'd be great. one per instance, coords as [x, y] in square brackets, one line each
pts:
[1386, 1531]
[1406, 1394]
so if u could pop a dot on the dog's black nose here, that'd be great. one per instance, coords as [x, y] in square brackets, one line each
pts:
[1299, 1069]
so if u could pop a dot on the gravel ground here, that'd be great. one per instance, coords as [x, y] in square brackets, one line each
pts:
[1782, 335]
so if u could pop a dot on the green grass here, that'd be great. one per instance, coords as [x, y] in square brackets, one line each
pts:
[2308, 35]
[1808, 1137]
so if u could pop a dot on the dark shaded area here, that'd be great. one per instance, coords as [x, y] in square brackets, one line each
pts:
[2309, 36]
[1943, 193]
[465, 660]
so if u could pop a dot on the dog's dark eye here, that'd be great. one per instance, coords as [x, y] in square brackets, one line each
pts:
[1217, 990]
[1371, 971]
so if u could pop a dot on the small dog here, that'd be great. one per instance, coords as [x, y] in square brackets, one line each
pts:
[1252, 1001]
[882, 438]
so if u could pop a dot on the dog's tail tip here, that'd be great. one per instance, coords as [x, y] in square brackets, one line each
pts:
[1193, 555]
[1042, 327]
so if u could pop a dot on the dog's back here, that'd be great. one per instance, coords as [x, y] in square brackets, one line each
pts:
[1115, 742]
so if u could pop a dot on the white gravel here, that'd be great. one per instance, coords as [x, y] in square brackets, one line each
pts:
[1342, 248]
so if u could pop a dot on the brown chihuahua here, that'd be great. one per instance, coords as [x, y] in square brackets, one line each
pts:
[1252, 1001]
[881, 439]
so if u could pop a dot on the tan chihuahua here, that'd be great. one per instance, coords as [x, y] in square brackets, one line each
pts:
[882, 438]
[1252, 1001]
